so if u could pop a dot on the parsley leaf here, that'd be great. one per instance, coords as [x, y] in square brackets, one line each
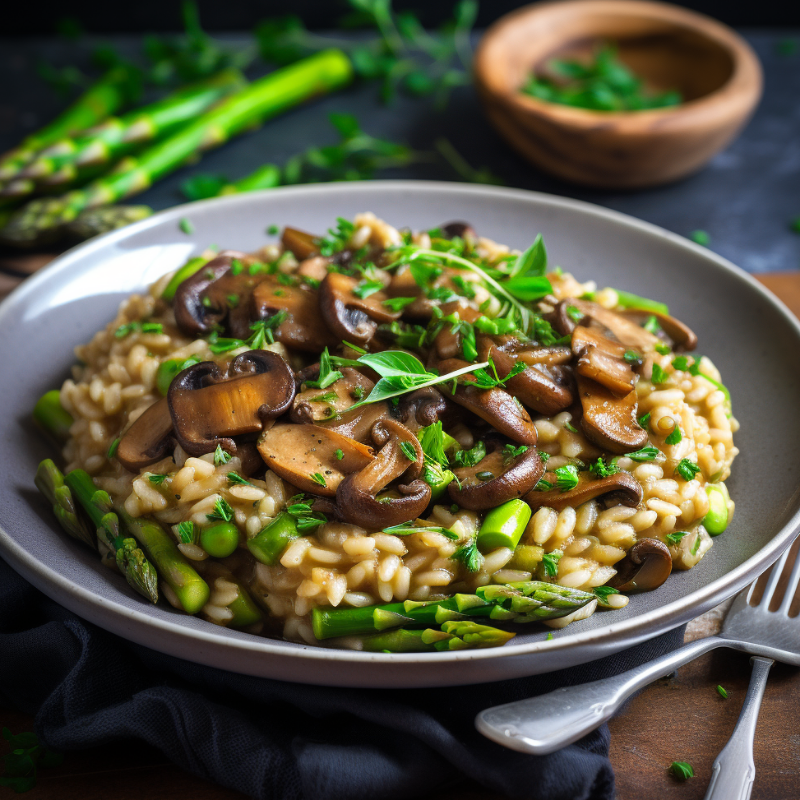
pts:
[408, 451]
[659, 375]
[469, 556]
[222, 511]
[469, 458]
[687, 469]
[157, 479]
[234, 477]
[550, 563]
[673, 539]
[510, 452]
[327, 375]
[318, 478]
[681, 770]
[647, 453]
[601, 469]
[722, 692]
[221, 456]
[367, 287]
[187, 531]
[566, 477]
[674, 437]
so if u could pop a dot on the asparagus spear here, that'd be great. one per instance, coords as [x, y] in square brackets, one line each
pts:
[201, 187]
[50, 415]
[138, 571]
[50, 482]
[67, 159]
[105, 97]
[190, 589]
[95, 221]
[529, 601]
[456, 635]
[40, 219]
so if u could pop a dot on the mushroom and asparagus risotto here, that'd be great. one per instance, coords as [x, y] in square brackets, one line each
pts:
[390, 441]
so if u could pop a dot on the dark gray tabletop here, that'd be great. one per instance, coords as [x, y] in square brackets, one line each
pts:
[745, 198]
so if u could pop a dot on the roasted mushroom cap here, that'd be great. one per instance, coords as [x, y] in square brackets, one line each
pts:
[149, 438]
[602, 360]
[317, 405]
[608, 420]
[356, 497]
[350, 317]
[495, 479]
[358, 423]
[621, 487]
[307, 456]
[542, 388]
[624, 330]
[462, 230]
[681, 334]
[422, 408]
[194, 316]
[303, 328]
[301, 244]
[646, 566]
[496, 406]
[208, 408]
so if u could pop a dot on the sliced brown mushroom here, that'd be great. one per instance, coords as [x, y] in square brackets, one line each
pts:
[303, 328]
[646, 566]
[542, 388]
[496, 405]
[608, 420]
[560, 317]
[495, 479]
[403, 284]
[208, 408]
[195, 314]
[350, 317]
[602, 360]
[357, 497]
[620, 488]
[625, 330]
[315, 267]
[316, 405]
[308, 456]
[462, 230]
[449, 340]
[422, 408]
[358, 423]
[301, 244]
[149, 438]
[681, 334]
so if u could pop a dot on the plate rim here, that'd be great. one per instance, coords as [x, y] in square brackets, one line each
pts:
[637, 628]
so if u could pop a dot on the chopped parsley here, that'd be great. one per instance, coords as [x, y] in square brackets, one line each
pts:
[674, 539]
[236, 266]
[112, 450]
[574, 314]
[398, 303]
[659, 374]
[234, 477]
[644, 420]
[408, 451]
[603, 469]
[328, 397]
[337, 237]
[143, 327]
[305, 518]
[187, 531]
[510, 452]
[339, 453]
[722, 692]
[604, 592]
[318, 478]
[632, 357]
[651, 325]
[700, 237]
[570, 427]
[157, 479]
[550, 563]
[367, 287]
[567, 477]
[222, 511]
[469, 556]
[327, 374]
[647, 453]
[469, 458]
[663, 349]
[687, 469]
[680, 363]
[186, 226]
[681, 770]
[221, 456]
[543, 486]
[674, 437]
[273, 230]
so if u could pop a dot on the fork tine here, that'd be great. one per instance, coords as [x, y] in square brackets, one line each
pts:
[791, 586]
[774, 577]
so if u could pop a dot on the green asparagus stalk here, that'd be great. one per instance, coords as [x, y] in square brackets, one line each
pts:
[50, 482]
[529, 601]
[456, 635]
[105, 97]
[138, 571]
[245, 611]
[190, 589]
[201, 187]
[96, 221]
[51, 417]
[324, 72]
[68, 159]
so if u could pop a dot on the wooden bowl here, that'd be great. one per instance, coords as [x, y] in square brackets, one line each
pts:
[669, 47]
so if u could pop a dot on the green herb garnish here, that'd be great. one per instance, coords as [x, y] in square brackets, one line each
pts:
[681, 770]
[318, 478]
[687, 469]
[469, 556]
[550, 563]
[186, 226]
[221, 456]
[566, 477]
[222, 511]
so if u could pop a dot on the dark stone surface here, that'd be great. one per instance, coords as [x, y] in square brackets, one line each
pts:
[745, 198]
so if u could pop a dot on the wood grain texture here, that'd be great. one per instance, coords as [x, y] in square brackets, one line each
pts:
[678, 718]
[669, 47]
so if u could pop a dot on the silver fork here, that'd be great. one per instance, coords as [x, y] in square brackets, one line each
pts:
[546, 723]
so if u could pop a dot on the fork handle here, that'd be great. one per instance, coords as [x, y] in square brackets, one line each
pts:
[548, 722]
[734, 770]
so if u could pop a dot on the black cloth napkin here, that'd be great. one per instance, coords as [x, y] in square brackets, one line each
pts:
[276, 740]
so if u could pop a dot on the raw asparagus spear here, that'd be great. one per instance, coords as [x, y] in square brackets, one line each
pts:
[138, 571]
[201, 187]
[456, 635]
[190, 589]
[40, 219]
[105, 97]
[529, 601]
[50, 482]
[49, 414]
[95, 221]
[67, 159]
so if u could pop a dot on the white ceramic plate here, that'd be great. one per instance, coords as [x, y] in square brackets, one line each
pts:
[751, 337]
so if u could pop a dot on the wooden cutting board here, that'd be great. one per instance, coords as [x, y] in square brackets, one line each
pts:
[680, 718]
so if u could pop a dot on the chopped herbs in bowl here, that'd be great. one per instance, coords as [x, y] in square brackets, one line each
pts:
[602, 83]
